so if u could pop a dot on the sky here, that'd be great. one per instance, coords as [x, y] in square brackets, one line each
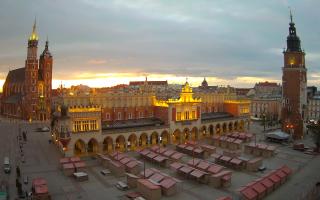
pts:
[107, 42]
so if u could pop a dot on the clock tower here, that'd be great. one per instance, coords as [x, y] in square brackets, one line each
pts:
[294, 85]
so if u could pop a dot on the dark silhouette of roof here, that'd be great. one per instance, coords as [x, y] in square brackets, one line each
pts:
[16, 75]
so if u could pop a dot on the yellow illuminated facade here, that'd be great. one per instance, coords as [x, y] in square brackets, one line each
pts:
[85, 118]
[237, 107]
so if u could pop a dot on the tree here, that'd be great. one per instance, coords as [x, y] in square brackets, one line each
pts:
[315, 130]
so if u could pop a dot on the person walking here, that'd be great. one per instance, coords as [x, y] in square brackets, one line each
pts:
[18, 171]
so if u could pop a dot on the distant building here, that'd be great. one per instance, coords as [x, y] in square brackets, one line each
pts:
[266, 107]
[311, 91]
[314, 108]
[267, 89]
[294, 82]
[27, 90]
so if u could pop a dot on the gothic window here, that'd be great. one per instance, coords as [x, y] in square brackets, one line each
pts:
[119, 115]
[130, 115]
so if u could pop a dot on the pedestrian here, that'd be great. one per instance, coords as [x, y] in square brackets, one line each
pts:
[18, 171]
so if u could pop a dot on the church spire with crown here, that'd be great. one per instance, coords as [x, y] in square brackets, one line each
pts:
[34, 35]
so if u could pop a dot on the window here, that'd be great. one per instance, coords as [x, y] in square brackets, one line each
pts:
[140, 114]
[130, 115]
[107, 116]
[178, 116]
[119, 115]
[193, 114]
[186, 115]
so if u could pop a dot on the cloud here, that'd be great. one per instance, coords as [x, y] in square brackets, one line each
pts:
[97, 61]
[225, 40]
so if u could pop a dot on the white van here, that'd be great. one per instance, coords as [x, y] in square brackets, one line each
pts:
[6, 163]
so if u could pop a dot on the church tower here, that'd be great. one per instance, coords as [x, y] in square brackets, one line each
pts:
[45, 83]
[31, 76]
[294, 83]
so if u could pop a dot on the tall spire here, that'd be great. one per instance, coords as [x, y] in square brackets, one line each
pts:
[47, 44]
[291, 21]
[293, 40]
[34, 35]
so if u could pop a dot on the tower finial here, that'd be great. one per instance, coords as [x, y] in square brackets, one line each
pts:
[34, 25]
[34, 35]
[290, 14]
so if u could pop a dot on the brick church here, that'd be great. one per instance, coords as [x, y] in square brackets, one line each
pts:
[27, 90]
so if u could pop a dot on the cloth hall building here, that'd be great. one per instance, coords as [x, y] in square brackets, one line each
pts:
[131, 120]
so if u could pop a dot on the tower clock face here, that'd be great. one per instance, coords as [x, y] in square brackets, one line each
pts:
[292, 60]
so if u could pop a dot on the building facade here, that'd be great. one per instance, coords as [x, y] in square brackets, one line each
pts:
[314, 108]
[294, 83]
[27, 90]
[266, 107]
[173, 121]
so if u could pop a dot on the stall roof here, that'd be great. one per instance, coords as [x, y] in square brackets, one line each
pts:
[203, 165]
[198, 150]
[144, 152]
[177, 156]
[215, 168]
[186, 169]
[258, 187]
[190, 148]
[176, 165]
[148, 184]
[193, 162]
[119, 156]
[286, 169]
[236, 161]
[169, 153]
[197, 173]
[281, 174]
[68, 166]
[225, 158]
[157, 177]
[159, 158]
[75, 159]
[205, 146]
[41, 189]
[39, 181]
[132, 164]
[167, 183]
[267, 183]
[125, 160]
[147, 172]
[151, 155]
[64, 160]
[80, 164]
[249, 193]
[274, 178]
